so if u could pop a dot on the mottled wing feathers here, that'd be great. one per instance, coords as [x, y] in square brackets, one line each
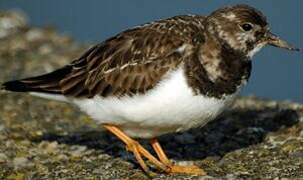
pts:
[132, 62]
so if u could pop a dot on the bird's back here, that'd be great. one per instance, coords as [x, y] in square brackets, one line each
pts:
[132, 62]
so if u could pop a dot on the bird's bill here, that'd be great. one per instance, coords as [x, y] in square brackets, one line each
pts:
[274, 40]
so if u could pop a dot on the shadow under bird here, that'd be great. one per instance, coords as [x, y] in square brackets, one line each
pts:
[161, 77]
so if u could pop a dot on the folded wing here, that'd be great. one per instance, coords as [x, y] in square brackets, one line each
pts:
[132, 62]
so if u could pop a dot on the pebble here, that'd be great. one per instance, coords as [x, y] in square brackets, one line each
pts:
[104, 157]
[78, 151]
[49, 147]
[62, 157]
[52, 147]
[10, 22]
[3, 158]
[21, 162]
[1, 128]
[34, 35]
[185, 163]
[230, 176]
[98, 171]
[206, 178]
[25, 143]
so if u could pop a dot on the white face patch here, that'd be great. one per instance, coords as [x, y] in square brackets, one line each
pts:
[255, 50]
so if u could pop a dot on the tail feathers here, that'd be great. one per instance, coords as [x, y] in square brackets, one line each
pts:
[48, 83]
[16, 86]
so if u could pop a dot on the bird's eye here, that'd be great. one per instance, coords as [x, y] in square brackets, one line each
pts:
[247, 27]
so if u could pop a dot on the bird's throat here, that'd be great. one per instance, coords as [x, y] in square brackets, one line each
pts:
[217, 70]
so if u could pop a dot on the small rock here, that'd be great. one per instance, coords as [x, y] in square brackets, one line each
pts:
[52, 147]
[25, 143]
[206, 178]
[21, 162]
[17, 176]
[78, 151]
[62, 157]
[139, 175]
[49, 147]
[230, 176]
[38, 133]
[10, 22]
[3, 158]
[1, 128]
[34, 35]
[45, 49]
[185, 163]
[104, 157]
[98, 171]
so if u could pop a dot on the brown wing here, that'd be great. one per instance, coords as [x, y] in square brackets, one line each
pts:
[130, 63]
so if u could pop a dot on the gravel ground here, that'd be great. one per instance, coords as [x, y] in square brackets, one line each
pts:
[42, 139]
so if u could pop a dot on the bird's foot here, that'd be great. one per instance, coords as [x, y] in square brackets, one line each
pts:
[138, 151]
[163, 164]
[175, 169]
[191, 170]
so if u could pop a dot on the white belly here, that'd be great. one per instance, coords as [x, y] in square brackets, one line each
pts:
[170, 107]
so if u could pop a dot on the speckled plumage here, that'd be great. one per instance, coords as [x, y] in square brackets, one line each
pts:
[162, 77]
[202, 60]
[135, 60]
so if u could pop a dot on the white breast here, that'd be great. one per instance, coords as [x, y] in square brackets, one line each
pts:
[170, 107]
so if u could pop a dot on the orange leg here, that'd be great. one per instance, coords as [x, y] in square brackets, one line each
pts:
[137, 149]
[174, 168]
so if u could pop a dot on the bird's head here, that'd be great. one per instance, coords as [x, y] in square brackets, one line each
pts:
[243, 28]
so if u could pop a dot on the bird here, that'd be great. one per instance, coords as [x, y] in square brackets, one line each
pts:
[161, 77]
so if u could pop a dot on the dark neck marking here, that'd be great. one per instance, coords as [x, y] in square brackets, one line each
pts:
[235, 69]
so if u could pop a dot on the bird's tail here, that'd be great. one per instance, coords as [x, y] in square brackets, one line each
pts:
[47, 83]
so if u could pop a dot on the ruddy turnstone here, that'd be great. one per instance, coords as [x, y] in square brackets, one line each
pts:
[161, 77]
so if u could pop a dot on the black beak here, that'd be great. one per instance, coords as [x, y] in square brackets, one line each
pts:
[274, 40]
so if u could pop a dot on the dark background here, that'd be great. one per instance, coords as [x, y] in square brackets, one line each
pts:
[277, 73]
